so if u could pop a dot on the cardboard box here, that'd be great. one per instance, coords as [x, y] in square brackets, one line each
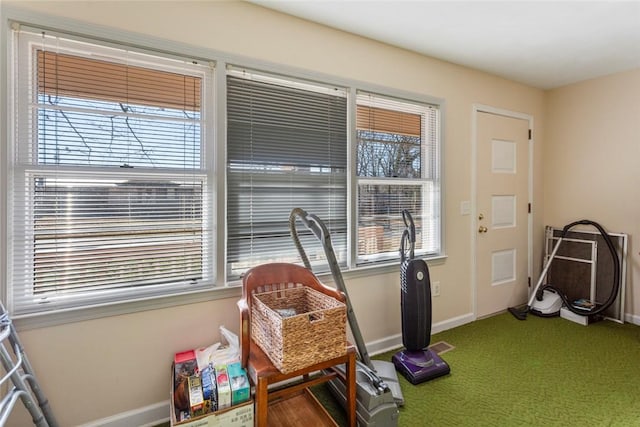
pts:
[239, 383]
[235, 416]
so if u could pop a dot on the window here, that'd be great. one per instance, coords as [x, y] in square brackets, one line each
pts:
[397, 168]
[112, 174]
[286, 148]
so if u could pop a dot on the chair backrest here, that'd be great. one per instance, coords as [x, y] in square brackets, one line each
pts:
[275, 276]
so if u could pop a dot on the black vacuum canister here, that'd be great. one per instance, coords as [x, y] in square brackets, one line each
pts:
[416, 304]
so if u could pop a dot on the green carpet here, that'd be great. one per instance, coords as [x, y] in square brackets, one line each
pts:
[538, 372]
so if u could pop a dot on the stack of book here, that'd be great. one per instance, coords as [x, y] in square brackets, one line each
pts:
[584, 304]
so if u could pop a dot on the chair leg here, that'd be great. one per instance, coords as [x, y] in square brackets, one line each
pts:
[262, 402]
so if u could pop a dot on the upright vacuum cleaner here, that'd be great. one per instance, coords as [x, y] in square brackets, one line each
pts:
[378, 392]
[417, 362]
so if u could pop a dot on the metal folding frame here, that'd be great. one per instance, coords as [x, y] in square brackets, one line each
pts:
[19, 379]
[552, 234]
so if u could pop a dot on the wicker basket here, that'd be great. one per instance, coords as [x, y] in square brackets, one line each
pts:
[317, 332]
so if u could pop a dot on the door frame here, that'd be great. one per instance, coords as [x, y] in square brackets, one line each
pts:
[477, 109]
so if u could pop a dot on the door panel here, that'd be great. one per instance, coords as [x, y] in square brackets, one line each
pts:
[502, 205]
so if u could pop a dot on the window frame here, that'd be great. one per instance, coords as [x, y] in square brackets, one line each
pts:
[25, 109]
[331, 171]
[424, 103]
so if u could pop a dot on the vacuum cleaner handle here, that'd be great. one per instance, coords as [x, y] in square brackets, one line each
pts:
[408, 235]
[319, 229]
[544, 271]
[299, 213]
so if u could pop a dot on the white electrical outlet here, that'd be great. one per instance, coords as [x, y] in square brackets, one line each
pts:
[435, 289]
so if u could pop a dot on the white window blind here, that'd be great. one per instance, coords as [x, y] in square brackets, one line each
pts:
[286, 148]
[397, 168]
[111, 175]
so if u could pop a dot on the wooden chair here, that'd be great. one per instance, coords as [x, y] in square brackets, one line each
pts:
[271, 277]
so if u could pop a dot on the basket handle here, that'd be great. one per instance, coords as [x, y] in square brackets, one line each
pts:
[315, 317]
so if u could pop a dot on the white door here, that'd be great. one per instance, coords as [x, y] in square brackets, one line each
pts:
[502, 197]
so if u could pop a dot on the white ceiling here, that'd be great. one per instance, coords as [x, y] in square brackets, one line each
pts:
[545, 44]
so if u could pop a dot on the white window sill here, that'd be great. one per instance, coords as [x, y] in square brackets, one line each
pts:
[232, 291]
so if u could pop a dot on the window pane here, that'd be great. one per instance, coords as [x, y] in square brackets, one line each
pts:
[261, 203]
[388, 155]
[273, 124]
[110, 233]
[136, 137]
[380, 223]
[100, 113]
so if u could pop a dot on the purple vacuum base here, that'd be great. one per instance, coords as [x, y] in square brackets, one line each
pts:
[420, 366]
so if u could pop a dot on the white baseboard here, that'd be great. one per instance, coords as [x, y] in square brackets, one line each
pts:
[147, 416]
[384, 345]
[395, 341]
[452, 323]
[632, 318]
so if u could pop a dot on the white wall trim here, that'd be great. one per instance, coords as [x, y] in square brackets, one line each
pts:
[452, 323]
[395, 341]
[385, 344]
[146, 416]
[632, 318]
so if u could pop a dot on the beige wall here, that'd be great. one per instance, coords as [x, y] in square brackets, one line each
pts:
[591, 171]
[99, 368]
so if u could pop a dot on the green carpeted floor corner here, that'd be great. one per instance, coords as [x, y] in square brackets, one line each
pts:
[538, 372]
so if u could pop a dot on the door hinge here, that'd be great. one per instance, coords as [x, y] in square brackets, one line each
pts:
[530, 134]
[529, 281]
[529, 207]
